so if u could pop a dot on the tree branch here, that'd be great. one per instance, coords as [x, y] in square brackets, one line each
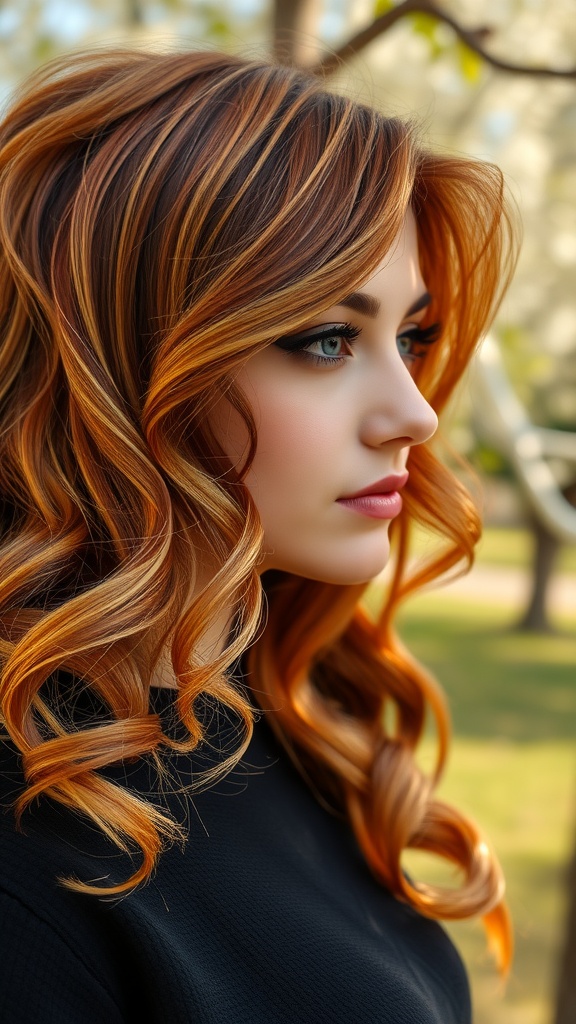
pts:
[473, 38]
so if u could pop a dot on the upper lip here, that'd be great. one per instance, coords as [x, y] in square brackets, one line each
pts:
[389, 483]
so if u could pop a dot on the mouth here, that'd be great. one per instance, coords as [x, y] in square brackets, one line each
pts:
[381, 500]
[388, 485]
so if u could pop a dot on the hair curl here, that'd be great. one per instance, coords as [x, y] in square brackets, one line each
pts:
[161, 217]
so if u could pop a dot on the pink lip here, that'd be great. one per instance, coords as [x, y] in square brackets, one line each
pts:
[394, 482]
[380, 500]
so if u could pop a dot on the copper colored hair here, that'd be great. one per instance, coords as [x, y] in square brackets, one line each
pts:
[163, 217]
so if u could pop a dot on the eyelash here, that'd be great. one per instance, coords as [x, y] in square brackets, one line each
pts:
[421, 336]
[295, 345]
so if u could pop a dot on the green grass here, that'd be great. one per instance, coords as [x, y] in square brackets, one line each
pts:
[515, 686]
[513, 768]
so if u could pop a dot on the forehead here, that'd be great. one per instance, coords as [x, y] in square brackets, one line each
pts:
[399, 269]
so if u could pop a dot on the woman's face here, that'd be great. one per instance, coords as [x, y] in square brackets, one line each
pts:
[337, 411]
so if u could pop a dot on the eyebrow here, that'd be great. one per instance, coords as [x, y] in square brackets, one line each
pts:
[368, 305]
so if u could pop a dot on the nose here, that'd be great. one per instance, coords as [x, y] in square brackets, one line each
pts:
[396, 410]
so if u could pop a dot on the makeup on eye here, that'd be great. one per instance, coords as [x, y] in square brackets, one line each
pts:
[334, 342]
[343, 335]
[415, 336]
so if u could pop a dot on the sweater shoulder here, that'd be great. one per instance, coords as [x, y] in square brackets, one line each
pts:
[52, 983]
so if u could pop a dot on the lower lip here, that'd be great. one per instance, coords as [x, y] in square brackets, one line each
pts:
[375, 506]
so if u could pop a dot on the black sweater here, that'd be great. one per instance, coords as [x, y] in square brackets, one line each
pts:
[268, 916]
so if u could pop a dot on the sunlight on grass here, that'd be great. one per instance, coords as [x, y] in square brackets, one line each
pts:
[513, 769]
[525, 802]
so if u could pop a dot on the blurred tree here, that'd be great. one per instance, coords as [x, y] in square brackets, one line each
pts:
[295, 35]
[134, 13]
[424, 16]
[536, 617]
[565, 1010]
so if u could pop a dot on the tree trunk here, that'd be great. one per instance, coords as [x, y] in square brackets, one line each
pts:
[566, 991]
[546, 547]
[295, 26]
[134, 15]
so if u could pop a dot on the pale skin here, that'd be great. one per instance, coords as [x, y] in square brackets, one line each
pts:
[328, 430]
[329, 427]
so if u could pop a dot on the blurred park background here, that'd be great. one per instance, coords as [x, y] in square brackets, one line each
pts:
[502, 640]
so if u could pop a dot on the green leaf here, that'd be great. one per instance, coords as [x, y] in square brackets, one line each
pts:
[426, 25]
[470, 64]
[43, 48]
[218, 28]
[382, 7]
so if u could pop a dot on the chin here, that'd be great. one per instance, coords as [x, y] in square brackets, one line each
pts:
[346, 577]
[342, 568]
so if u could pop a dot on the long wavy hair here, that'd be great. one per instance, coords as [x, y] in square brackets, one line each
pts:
[162, 218]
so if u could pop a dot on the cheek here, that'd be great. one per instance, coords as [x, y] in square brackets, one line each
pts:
[297, 449]
[305, 457]
[295, 439]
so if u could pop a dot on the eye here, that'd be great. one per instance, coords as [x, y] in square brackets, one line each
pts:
[413, 342]
[330, 345]
[327, 346]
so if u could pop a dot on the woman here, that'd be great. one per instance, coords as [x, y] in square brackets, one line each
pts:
[232, 307]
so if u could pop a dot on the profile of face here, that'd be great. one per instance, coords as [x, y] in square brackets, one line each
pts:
[337, 410]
